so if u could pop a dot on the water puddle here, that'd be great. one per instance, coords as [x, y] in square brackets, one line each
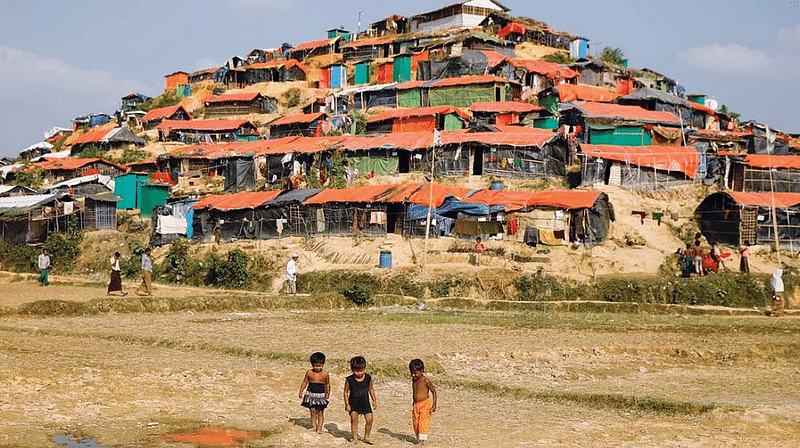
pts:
[71, 441]
[213, 437]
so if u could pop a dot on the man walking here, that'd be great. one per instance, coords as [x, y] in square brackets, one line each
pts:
[44, 268]
[147, 275]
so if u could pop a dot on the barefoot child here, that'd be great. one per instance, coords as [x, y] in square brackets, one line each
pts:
[423, 405]
[317, 387]
[357, 392]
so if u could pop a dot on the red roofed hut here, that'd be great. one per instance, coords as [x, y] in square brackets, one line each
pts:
[206, 131]
[152, 118]
[241, 103]
[638, 167]
[765, 173]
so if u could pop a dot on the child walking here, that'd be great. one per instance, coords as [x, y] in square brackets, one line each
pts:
[357, 392]
[423, 405]
[317, 387]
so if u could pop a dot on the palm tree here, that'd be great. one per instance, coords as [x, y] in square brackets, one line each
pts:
[613, 56]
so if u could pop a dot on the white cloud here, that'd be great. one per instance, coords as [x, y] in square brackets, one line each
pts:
[789, 40]
[731, 60]
[205, 63]
[40, 92]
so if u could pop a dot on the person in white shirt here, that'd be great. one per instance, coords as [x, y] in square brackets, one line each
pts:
[44, 268]
[291, 275]
[115, 285]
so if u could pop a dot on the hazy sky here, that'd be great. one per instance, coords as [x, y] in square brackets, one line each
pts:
[62, 59]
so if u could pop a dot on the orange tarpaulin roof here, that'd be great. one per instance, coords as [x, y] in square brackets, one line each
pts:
[467, 80]
[245, 199]
[228, 97]
[202, 125]
[504, 107]
[617, 111]
[371, 193]
[162, 112]
[92, 136]
[72, 164]
[583, 92]
[417, 112]
[297, 119]
[440, 192]
[519, 200]
[765, 199]
[770, 161]
[548, 69]
[684, 159]
[310, 45]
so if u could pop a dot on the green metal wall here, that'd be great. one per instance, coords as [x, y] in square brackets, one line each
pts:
[402, 69]
[128, 187]
[362, 74]
[453, 122]
[409, 98]
[619, 135]
[461, 96]
[152, 196]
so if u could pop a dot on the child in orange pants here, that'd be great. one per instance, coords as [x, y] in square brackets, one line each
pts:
[424, 400]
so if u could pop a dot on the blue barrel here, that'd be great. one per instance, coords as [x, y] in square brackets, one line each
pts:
[386, 259]
[496, 185]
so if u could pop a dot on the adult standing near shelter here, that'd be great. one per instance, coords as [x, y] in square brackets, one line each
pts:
[115, 285]
[44, 268]
[291, 275]
[147, 274]
[777, 293]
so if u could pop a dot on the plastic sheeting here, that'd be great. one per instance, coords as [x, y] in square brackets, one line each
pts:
[240, 174]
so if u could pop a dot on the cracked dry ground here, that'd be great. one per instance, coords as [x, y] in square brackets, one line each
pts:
[505, 379]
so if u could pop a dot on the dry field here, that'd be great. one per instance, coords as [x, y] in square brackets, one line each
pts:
[505, 379]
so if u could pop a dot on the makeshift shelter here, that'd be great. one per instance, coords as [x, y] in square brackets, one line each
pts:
[238, 216]
[173, 80]
[505, 112]
[584, 92]
[171, 222]
[459, 92]
[693, 114]
[735, 217]
[597, 73]
[106, 140]
[60, 169]
[765, 173]
[137, 192]
[306, 125]
[316, 48]
[239, 104]
[78, 187]
[348, 211]
[466, 14]
[7, 191]
[89, 121]
[35, 150]
[275, 71]
[639, 167]
[132, 101]
[100, 211]
[603, 123]
[29, 219]
[206, 131]
[582, 216]
[468, 63]
[536, 75]
[202, 75]
[156, 116]
[443, 118]
[358, 98]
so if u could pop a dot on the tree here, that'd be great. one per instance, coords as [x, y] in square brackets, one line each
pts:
[613, 56]
[558, 57]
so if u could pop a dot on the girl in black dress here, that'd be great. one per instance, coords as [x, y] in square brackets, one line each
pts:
[357, 392]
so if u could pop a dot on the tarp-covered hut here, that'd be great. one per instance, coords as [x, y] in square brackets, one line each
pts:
[306, 125]
[638, 167]
[614, 124]
[735, 217]
[275, 71]
[107, 139]
[239, 104]
[443, 118]
[765, 173]
[237, 216]
[156, 116]
[693, 114]
[505, 112]
[206, 131]
[29, 219]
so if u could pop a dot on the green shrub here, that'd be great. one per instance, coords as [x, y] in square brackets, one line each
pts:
[175, 267]
[292, 97]
[357, 294]
[542, 287]
[234, 273]
[64, 248]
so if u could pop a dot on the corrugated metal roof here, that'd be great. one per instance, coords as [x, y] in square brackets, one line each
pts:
[24, 202]
[417, 112]
[236, 201]
[683, 159]
[634, 113]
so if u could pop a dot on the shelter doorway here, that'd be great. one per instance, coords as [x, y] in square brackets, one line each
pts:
[394, 218]
[498, 93]
[477, 162]
[403, 161]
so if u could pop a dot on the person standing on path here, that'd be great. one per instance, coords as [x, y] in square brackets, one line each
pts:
[478, 249]
[777, 293]
[147, 274]
[44, 268]
[291, 275]
[744, 253]
[115, 285]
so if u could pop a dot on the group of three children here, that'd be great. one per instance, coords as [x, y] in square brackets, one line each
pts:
[316, 390]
